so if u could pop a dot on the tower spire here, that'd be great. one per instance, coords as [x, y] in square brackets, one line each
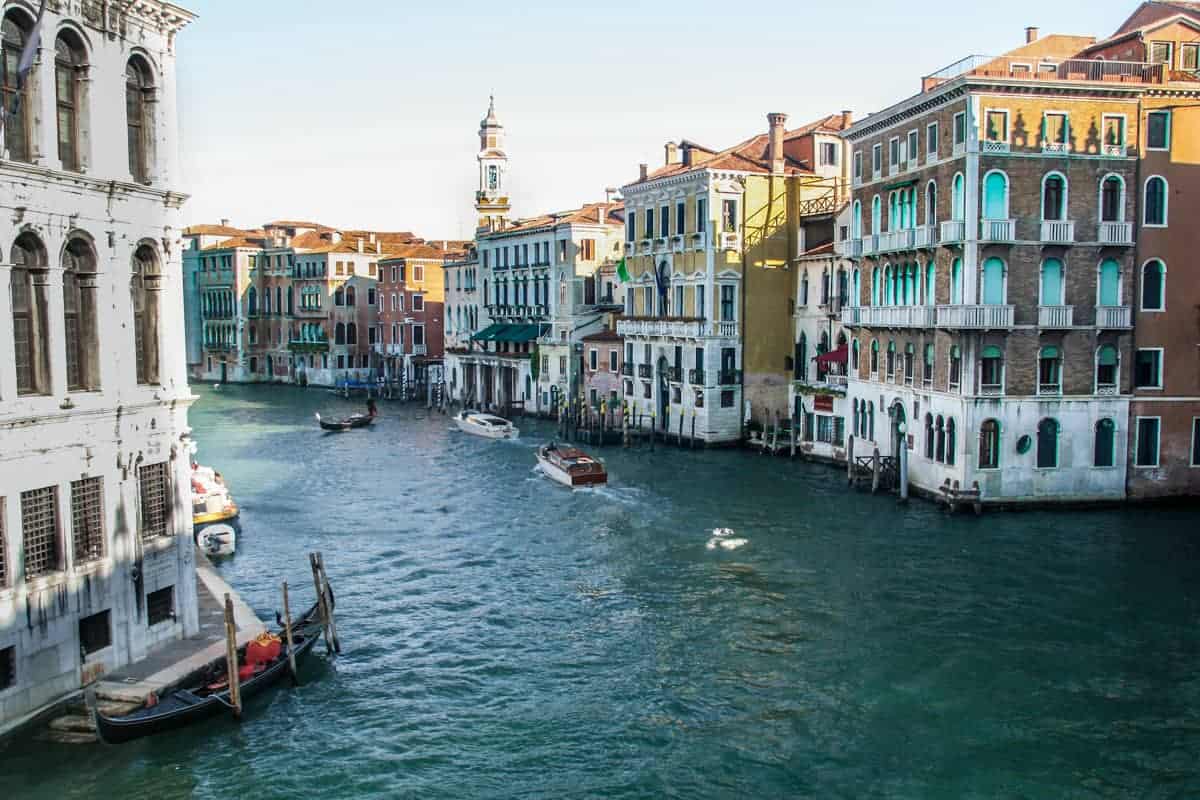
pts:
[491, 199]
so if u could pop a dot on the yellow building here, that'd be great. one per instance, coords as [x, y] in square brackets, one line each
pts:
[710, 241]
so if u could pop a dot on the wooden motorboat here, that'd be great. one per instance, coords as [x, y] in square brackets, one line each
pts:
[208, 693]
[570, 466]
[488, 426]
[346, 423]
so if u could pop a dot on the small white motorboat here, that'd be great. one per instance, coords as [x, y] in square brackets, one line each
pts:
[217, 540]
[570, 466]
[488, 426]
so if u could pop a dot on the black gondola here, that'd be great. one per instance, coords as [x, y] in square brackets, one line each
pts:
[206, 697]
[345, 424]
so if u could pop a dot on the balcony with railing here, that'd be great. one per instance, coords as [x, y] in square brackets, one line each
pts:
[848, 248]
[975, 317]
[1116, 233]
[698, 240]
[998, 230]
[729, 241]
[825, 381]
[889, 316]
[645, 371]
[1058, 232]
[1114, 317]
[994, 146]
[925, 236]
[677, 243]
[870, 244]
[419, 349]
[683, 328]
[675, 374]
[729, 377]
[1072, 69]
[696, 376]
[308, 345]
[953, 231]
[901, 239]
[627, 369]
[1055, 316]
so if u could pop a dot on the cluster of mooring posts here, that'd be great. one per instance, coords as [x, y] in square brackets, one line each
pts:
[624, 424]
[324, 593]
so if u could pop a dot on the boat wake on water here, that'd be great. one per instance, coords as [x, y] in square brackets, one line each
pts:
[724, 539]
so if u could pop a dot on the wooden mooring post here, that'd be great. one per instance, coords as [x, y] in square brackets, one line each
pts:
[679, 435]
[692, 441]
[231, 660]
[653, 430]
[849, 459]
[322, 604]
[327, 596]
[287, 629]
[875, 471]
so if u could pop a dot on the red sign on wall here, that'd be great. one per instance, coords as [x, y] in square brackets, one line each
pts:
[823, 402]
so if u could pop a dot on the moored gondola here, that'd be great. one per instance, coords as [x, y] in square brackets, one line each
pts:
[261, 663]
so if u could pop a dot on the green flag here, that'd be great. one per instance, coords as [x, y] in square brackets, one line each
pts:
[622, 271]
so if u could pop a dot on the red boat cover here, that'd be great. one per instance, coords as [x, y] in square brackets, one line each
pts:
[263, 650]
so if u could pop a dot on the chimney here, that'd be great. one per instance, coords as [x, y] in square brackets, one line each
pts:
[601, 213]
[687, 154]
[225, 223]
[672, 153]
[378, 245]
[360, 244]
[371, 236]
[1031, 35]
[610, 193]
[775, 140]
[643, 170]
[847, 119]
[335, 237]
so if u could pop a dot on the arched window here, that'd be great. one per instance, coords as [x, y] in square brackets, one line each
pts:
[252, 301]
[350, 296]
[139, 120]
[888, 288]
[891, 360]
[1106, 369]
[991, 370]
[856, 221]
[876, 214]
[854, 355]
[69, 73]
[993, 282]
[871, 420]
[958, 200]
[1109, 290]
[266, 300]
[929, 436]
[1047, 444]
[1054, 197]
[1049, 370]
[351, 333]
[1112, 199]
[804, 288]
[1052, 283]
[940, 443]
[989, 444]
[876, 298]
[995, 195]
[339, 296]
[955, 369]
[931, 283]
[956, 293]
[147, 285]
[18, 128]
[856, 288]
[1105, 444]
[927, 369]
[931, 203]
[79, 316]
[278, 299]
[339, 333]
[1154, 274]
[801, 365]
[1155, 202]
[30, 307]
[950, 441]
[874, 357]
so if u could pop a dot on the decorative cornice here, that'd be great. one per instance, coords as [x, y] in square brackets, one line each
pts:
[170, 199]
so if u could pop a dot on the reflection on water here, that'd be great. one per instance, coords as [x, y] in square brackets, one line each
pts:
[506, 637]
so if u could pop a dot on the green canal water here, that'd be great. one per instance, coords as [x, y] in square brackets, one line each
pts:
[505, 637]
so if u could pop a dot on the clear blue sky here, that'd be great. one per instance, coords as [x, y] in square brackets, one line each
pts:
[364, 114]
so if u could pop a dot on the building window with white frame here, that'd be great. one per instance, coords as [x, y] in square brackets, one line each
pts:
[1147, 368]
[829, 154]
[931, 141]
[1155, 202]
[1158, 130]
[1146, 442]
[1154, 280]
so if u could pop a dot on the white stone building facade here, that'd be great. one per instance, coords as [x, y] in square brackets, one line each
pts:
[96, 554]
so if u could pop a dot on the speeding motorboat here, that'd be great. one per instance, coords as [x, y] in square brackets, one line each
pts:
[488, 426]
[570, 466]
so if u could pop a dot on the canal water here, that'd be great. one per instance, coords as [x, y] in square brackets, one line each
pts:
[505, 637]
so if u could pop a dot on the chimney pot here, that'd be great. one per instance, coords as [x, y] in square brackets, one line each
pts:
[224, 223]
[687, 154]
[643, 171]
[775, 140]
[672, 153]
[847, 118]
[1031, 34]
[360, 244]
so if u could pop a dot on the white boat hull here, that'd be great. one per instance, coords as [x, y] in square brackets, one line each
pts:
[555, 473]
[217, 540]
[508, 431]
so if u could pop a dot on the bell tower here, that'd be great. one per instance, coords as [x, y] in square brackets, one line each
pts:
[491, 199]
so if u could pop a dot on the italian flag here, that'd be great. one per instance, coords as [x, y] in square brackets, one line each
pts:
[622, 271]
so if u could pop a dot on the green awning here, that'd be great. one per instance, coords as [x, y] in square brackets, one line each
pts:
[489, 333]
[516, 333]
[899, 184]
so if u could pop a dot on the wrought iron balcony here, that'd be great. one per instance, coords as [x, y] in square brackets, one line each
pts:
[975, 317]
[627, 369]
[675, 374]
[729, 377]
[645, 371]
[696, 376]
[1055, 316]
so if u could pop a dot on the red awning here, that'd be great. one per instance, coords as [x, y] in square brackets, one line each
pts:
[839, 356]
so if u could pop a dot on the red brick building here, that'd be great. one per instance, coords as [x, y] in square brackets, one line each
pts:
[411, 301]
